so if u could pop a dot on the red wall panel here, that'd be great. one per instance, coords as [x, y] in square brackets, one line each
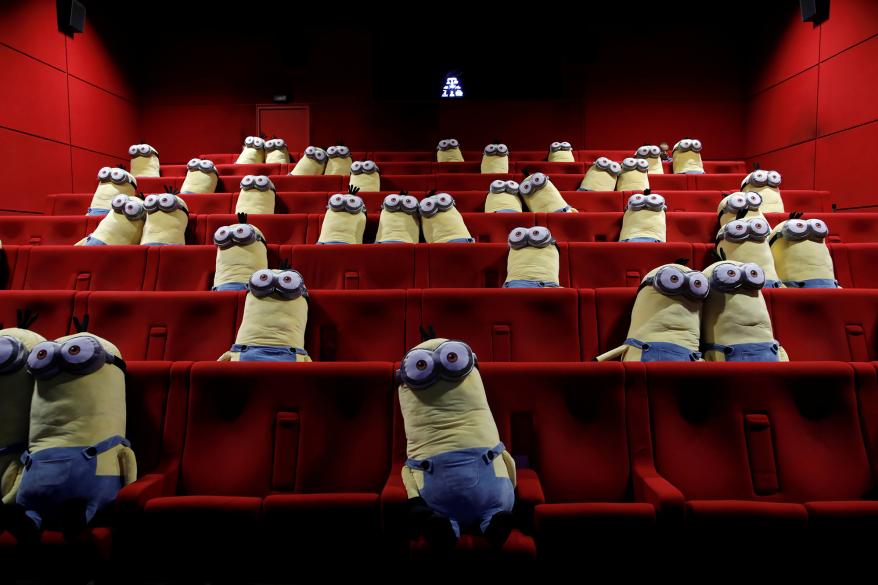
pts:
[850, 22]
[32, 28]
[86, 165]
[848, 93]
[91, 60]
[844, 165]
[795, 163]
[788, 51]
[783, 115]
[31, 167]
[34, 96]
[101, 121]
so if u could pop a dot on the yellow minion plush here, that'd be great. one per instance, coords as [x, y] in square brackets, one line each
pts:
[666, 318]
[77, 457]
[257, 195]
[495, 159]
[398, 222]
[601, 176]
[746, 241]
[365, 176]
[312, 163]
[144, 160]
[533, 260]
[122, 227]
[739, 206]
[345, 219]
[800, 253]
[339, 162]
[201, 177]
[111, 182]
[634, 176]
[541, 196]
[276, 151]
[441, 221]
[735, 325]
[644, 219]
[240, 251]
[560, 152]
[166, 219]
[448, 151]
[503, 197]
[275, 316]
[253, 151]
[18, 389]
[767, 184]
[458, 475]
[652, 154]
[687, 157]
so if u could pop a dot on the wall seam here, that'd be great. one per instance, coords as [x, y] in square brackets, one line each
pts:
[37, 59]
[784, 80]
[103, 89]
[69, 113]
[845, 50]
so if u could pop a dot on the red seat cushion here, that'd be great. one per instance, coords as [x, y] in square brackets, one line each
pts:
[84, 268]
[388, 266]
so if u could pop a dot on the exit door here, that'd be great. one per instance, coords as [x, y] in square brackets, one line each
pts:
[292, 123]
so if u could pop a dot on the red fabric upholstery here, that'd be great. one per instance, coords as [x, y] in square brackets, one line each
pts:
[613, 308]
[495, 227]
[277, 229]
[548, 168]
[854, 264]
[41, 230]
[55, 309]
[82, 268]
[182, 268]
[614, 264]
[466, 266]
[388, 266]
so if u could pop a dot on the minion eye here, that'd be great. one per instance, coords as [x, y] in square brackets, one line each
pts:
[344, 151]
[193, 163]
[455, 358]
[319, 155]
[369, 166]
[671, 279]
[698, 285]
[119, 202]
[602, 163]
[248, 141]
[774, 178]
[655, 151]
[502, 149]
[453, 143]
[696, 145]
[642, 164]
[336, 201]
[133, 150]
[685, 144]
[818, 227]
[409, 202]
[491, 149]
[498, 186]
[643, 151]
[391, 201]
[357, 168]
[518, 238]
[539, 180]
[754, 199]
[615, 168]
[727, 274]
[443, 144]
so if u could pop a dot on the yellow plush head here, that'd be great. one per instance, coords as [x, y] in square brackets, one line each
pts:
[652, 154]
[634, 175]
[253, 151]
[399, 220]
[441, 221]
[345, 219]
[601, 176]
[800, 253]
[739, 206]
[339, 160]
[312, 163]
[533, 257]
[241, 251]
[111, 182]
[448, 151]
[746, 241]
[503, 196]
[257, 195]
[687, 156]
[166, 219]
[767, 184]
[144, 160]
[123, 226]
[560, 152]
[276, 151]
[541, 196]
[365, 176]
[201, 177]
[495, 159]
[644, 218]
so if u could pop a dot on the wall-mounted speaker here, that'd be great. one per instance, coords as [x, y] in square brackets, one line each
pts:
[816, 11]
[71, 16]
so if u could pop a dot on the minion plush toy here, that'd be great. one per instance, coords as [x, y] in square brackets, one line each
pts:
[257, 195]
[735, 325]
[644, 219]
[312, 163]
[122, 227]
[276, 151]
[339, 160]
[739, 206]
[144, 160]
[541, 196]
[652, 154]
[77, 457]
[560, 152]
[111, 182]
[458, 475]
[18, 389]
[240, 251]
[533, 259]
[253, 151]
[365, 176]
[767, 184]
[448, 151]
[503, 197]
[201, 177]
[398, 222]
[495, 159]
[800, 253]
[601, 176]
[746, 241]
[666, 318]
[345, 219]
[634, 176]
[275, 316]
[687, 157]
[441, 221]
[166, 219]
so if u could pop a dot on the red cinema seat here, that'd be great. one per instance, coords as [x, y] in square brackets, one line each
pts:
[380, 156]
[691, 227]
[248, 169]
[529, 167]
[396, 183]
[325, 183]
[468, 266]
[613, 308]
[166, 325]
[527, 155]
[42, 230]
[277, 229]
[518, 325]
[385, 266]
[592, 201]
[469, 181]
[703, 255]
[590, 155]
[457, 167]
[209, 203]
[855, 264]
[10, 266]
[806, 200]
[68, 203]
[703, 201]
[718, 182]
[584, 227]
[54, 310]
[495, 227]
[406, 168]
[722, 167]
[185, 268]
[220, 159]
[661, 183]
[148, 185]
[466, 201]
[616, 264]
[564, 182]
[301, 202]
[83, 268]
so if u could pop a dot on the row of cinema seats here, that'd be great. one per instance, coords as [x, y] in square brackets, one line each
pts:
[464, 201]
[391, 266]
[681, 226]
[271, 464]
[515, 325]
